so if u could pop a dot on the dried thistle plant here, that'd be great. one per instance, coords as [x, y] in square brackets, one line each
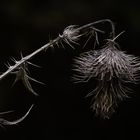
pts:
[113, 69]
[70, 35]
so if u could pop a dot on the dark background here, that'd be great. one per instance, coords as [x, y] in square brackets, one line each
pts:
[61, 111]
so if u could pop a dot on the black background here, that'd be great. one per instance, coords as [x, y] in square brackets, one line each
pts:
[61, 111]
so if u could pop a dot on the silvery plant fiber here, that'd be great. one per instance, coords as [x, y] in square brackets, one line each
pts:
[113, 69]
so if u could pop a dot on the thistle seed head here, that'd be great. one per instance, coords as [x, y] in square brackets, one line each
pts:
[113, 69]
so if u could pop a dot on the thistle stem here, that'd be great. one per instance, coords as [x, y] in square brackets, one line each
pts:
[28, 57]
[46, 46]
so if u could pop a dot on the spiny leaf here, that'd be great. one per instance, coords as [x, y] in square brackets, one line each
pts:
[6, 122]
[22, 74]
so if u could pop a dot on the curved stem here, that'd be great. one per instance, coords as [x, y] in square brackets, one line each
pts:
[97, 22]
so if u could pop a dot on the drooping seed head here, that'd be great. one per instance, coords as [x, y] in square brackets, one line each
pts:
[113, 69]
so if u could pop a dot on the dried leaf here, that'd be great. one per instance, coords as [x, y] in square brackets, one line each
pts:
[22, 74]
[4, 122]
